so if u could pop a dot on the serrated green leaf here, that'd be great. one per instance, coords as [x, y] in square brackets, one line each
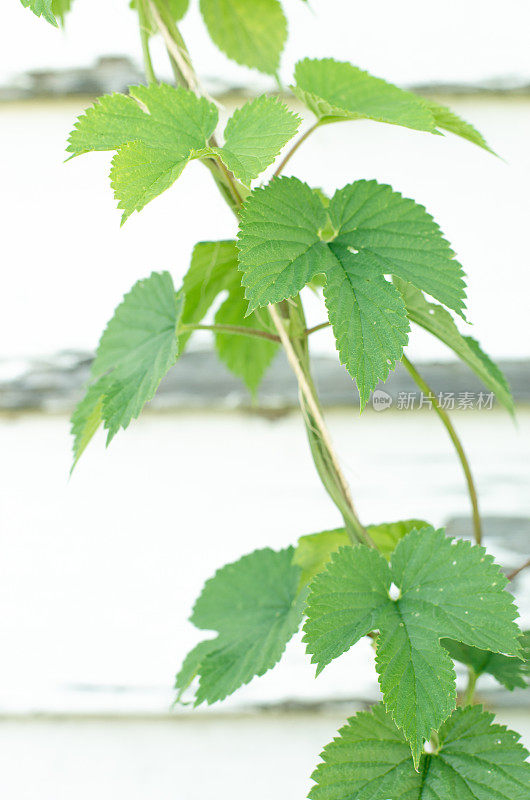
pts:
[280, 249]
[511, 672]
[87, 417]
[447, 589]
[368, 318]
[401, 236]
[255, 607]
[345, 602]
[287, 236]
[336, 90]
[214, 270]
[140, 173]
[477, 759]
[254, 136]
[447, 120]
[314, 551]
[136, 350]
[156, 131]
[50, 10]
[439, 322]
[252, 34]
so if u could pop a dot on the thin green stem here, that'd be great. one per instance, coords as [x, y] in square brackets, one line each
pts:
[294, 148]
[310, 399]
[316, 328]
[177, 74]
[144, 38]
[175, 46]
[230, 181]
[424, 386]
[238, 330]
[469, 694]
[516, 572]
[295, 346]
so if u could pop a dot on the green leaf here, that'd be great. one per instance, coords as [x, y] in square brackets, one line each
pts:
[248, 358]
[280, 249]
[401, 236]
[255, 607]
[336, 90]
[254, 136]
[136, 350]
[368, 318]
[511, 672]
[50, 10]
[314, 551]
[214, 270]
[477, 759]
[253, 34]
[87, 417]
[287, 236]
[191, 665]
[440, 323]
[448, 121]
[445, 588]
[156, 131]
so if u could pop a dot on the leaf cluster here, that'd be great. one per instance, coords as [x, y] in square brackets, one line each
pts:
[383, 263]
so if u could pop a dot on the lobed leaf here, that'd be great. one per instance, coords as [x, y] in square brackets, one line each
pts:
[476, 759]
[445, 589]
[156, 131]
[336, 90]
[511, 672]
[438, 321]
[288, 236]
[252, 34]
[213, 270]
[136, 350]
[255, 135]
[255, 607]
